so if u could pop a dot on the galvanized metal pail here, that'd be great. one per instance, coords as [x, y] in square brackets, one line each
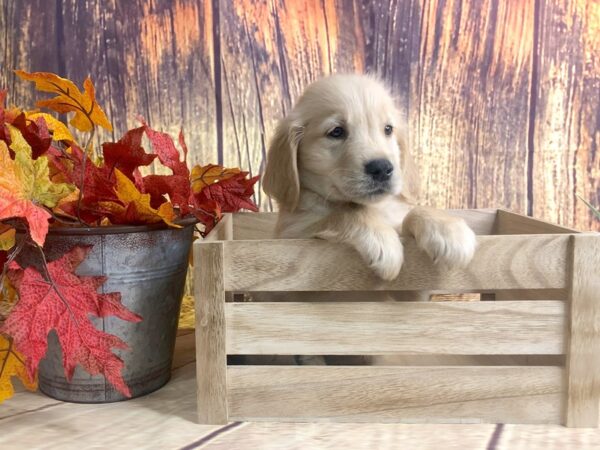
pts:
[148, 266]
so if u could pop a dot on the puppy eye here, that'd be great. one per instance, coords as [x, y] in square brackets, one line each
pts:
[388, 130]
[337, 133]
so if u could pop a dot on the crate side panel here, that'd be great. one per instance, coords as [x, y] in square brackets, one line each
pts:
[500, 262]
[395, 394]
[379, 328]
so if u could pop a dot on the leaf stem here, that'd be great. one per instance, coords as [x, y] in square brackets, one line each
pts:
[53, 285]
[83, 164]
[8, 352]
[10, 259]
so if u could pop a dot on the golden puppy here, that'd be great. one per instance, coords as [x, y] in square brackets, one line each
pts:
[339, 167]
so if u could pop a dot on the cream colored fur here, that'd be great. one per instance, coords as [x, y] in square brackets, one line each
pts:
[322, 190]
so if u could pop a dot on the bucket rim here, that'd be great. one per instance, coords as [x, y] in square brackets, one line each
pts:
[58, 230]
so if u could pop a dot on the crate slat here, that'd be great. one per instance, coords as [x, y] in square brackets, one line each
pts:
[512, 223]
[501, 262]
[380, 328]
[583, 360]
[252, 226]
[211, 357]
[395, 394]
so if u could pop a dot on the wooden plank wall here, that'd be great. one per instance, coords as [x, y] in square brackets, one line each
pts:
[502, 97]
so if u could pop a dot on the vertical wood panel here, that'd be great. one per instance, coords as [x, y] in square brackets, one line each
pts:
[211, 359]
[29, 41]
[470, 102]
[153, 59]
[583, 353]
[567, 116]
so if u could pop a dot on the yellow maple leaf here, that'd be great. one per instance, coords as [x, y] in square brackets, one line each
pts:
[136, 206]
[203, 176]
[69, 99]
[12, 365]
[60, 132]
[7, 237]
[33, 176]
[25, 185]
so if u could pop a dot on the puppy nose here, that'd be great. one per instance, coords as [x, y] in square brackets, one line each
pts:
[379, 169]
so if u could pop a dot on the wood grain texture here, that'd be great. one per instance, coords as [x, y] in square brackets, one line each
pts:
[583, 357]
[153, 59]
[566, 128]
[210, 333]
[395, 394]
[500, 262]
[379, 328]
[251, 226]
[510, 223]
[470, 90]
[29, 41]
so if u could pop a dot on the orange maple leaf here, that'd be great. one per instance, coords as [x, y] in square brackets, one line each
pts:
[203, 176]
[69, 99]
[135, 206]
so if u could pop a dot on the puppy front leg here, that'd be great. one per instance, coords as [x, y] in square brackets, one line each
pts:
[446, 239]
[378, 243]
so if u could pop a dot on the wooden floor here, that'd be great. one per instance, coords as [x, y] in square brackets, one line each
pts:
[165, 420]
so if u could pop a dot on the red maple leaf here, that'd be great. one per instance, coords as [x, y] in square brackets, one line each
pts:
[232, 194]
[98, 183]
[35, 132]
[127, 154]
[63, 302]
[208, 213]
[176, 186]
[164, 147]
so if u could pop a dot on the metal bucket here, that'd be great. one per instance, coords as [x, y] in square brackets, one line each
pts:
[148, 266]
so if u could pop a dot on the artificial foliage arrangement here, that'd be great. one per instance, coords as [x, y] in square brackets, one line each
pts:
[47, 179]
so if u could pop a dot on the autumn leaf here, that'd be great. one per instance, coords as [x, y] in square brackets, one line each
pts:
[208, 213]
[232, 194]
[203, 176]
[69, 99]
[134, 207]
[64, 304]
[177, 185]
[12, 365]
[127, 154]
[24, 186]
[99, 184]
[7, 237]
[164, 147]
[59, 130]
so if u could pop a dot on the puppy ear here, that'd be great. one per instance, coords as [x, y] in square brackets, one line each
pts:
[410, 175]
[280, 179]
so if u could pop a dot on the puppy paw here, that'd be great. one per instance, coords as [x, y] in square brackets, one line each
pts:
[380, 247]
[384, 253]
[449, 242]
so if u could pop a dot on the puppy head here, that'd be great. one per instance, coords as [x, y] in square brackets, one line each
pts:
[343, 140]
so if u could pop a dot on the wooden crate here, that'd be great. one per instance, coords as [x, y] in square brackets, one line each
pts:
[534, 352]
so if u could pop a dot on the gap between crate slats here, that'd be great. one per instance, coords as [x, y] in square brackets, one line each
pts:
[395, 394]
[459, 328]
[501, 262]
